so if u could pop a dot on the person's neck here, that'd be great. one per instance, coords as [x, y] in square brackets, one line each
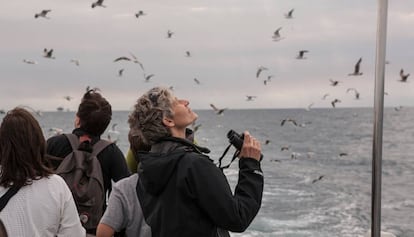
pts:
[178, 133]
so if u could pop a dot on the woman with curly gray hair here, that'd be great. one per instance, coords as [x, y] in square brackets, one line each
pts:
[180, 190]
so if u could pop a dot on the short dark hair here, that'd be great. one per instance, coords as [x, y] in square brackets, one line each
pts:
[94, 112]
[22, 149]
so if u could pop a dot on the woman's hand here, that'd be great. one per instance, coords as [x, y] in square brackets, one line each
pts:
[251, 147]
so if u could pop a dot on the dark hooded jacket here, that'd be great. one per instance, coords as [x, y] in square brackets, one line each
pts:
[184, 194]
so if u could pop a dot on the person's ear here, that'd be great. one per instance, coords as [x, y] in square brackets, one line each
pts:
[168, 122]
[77, 122]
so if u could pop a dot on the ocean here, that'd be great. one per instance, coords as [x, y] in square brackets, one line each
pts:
[320, 183]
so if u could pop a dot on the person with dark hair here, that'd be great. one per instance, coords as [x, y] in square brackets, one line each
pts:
[92, 118]
[180, 190]
[43, 204]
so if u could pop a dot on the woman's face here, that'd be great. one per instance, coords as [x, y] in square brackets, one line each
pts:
[183, 115]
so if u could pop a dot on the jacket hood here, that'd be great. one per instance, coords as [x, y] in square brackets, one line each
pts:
[158, 165]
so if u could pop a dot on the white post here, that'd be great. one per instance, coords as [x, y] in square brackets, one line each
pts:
[378, 118]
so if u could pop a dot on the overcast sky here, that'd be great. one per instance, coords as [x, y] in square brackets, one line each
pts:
[228, 41]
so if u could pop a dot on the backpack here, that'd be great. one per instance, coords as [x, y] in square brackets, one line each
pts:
[82, 172]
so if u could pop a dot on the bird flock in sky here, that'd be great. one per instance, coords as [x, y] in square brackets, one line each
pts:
[262, 74]
[302, 54]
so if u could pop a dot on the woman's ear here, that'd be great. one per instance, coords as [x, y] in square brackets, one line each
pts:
[168, 122]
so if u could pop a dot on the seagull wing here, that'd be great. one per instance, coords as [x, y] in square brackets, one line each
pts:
[214, 107]
[149, 77]
[44, 12]
[122, 58]
[258, 72]
[357, 66]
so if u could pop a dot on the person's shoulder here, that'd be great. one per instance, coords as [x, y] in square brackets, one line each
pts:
[56, 139]
[195, 159]
[125, 186]
[52, 183]
[55, 179]
[127, 181]
[111, 147]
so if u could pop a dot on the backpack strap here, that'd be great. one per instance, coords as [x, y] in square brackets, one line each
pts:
[97, 147]
[6, 197]
[73, 139]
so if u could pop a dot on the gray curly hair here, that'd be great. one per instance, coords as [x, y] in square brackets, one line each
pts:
[148, 114]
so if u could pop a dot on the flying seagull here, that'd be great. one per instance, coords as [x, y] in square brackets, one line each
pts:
[139, 13]
[302, 54]
[250, 97]
[197, 81]
[217, 110]
[403, 77]
[324, 96]
[289, 15]
[122, 58]
[169, 34]
[334, 82]
[309, 107]
[135, 60]
[55, 131]
[276, 35]
[357, 69]
[398, 108]
[285, 148]
[269, 78]
[43, 14]
[355, 91]
[75, 61]
[187, 53]
[288, 120]
[120, 72]
[29, 61]
[68, 98]
[319, 178]
[334, 102]
[259, 70]
[113, 134]
[48, 53]
[98, 4]
[148, 77]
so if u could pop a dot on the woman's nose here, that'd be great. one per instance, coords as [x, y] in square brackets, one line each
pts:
[185, 102]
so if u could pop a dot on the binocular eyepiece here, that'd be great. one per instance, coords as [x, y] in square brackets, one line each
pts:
[237, 140]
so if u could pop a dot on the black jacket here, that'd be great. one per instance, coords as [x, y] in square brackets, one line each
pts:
[184, 194]
[111, 158]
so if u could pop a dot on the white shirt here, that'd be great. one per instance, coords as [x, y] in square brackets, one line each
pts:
[44, 208]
